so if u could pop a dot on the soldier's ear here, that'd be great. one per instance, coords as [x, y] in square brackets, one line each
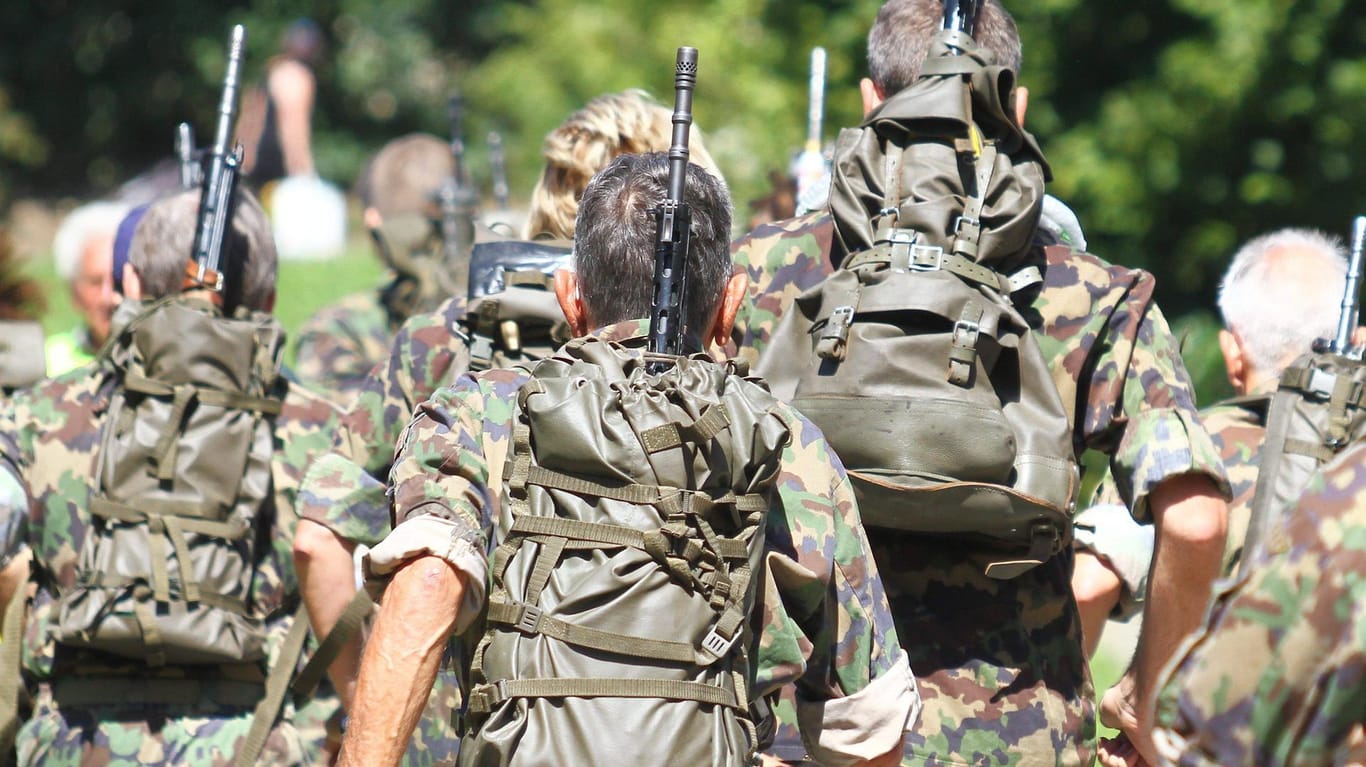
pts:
[132, 283]
[1235, 361]
[1021, 104]
[731, 299]
[872, 95]
[571, 303]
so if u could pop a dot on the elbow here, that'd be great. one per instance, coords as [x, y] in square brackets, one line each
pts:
[1190, 512]
[314, 542]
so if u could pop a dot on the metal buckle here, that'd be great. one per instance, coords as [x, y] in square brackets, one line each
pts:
[961, 220]
[530, 620]
[965, 333]
[933, 263]
[1320, 383]
[718, 645]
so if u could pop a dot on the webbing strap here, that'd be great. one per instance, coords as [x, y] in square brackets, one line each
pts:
[531, 620]
[963, 350]
[175, 530]
[347, 625]
[1316, 450]
[113, 691]
[147, 622]
[713, 421]
[547, 557]
[156, 547]
[167, 447]
[103, 507]
[11, 646]
[644, 495]
[608, 535]
[484, 697]
[141, 384]
[277, 684]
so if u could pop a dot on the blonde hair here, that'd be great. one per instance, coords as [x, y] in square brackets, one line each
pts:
[629, 122]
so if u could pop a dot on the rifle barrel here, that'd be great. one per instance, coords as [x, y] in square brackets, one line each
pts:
[685, 80]
[1351, 307]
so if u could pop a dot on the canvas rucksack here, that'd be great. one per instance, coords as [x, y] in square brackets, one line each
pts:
[915, 357]
[182, 476]
[632, 521]
[513, 317]
[1318, 409]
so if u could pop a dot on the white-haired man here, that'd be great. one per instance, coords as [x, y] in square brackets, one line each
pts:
[1281, 292]
[83, 250]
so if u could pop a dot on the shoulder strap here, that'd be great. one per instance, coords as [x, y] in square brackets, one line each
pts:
[11, 656]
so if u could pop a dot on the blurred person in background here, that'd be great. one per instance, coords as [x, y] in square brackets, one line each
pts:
[83, 249]
[21, 337]
[276, 124]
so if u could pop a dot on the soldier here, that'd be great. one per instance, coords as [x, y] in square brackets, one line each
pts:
[1000, 662]
[1275, 677]
[1299, 273]
[83, 249]
[857, 698]
[343, 503]
[21, 337]
[341, 342]
[97, 706]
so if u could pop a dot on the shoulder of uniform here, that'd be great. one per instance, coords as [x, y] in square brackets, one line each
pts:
[307, 407]
[809, 224]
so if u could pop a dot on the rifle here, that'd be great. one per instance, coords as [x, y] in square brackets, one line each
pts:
[498, 168]
[961, 16]
[191, 174]
[673, 226]
[458, 203]
[205, 269]
[1351, 307]
[812, 173]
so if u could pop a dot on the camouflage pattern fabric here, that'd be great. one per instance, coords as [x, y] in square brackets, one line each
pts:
[344, 489]
[340, 343]
[49, 439]
[1237, 431]
[1278, 675]
[1000, 663]
[823, 622]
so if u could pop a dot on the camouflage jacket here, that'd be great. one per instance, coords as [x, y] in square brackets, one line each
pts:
[49, 441]
[1000, 663]
[340, 343]
[1237, 429]
[1278, 675]
[826, 624]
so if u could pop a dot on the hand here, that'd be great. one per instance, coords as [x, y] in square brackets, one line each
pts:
[1119, 752]
[766, 760]
[1119, 709]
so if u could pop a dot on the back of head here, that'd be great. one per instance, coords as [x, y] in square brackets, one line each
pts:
[1283, 291]
[899, 41]
[302, 41]
[629, 122]
[615, 237]
[164, 242]
[403, 177]
[96, 219]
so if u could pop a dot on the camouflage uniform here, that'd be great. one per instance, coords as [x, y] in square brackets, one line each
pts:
[49, 439]
[1237, 428]
[1000, 663]
[826, 624]
[1278, 675]
[344, 489]
[340, 343]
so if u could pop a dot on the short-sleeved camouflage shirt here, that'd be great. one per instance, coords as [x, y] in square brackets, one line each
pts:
[1000, 663]
[337, 347]
[826, 624]
[49, 440]
[1278, 675]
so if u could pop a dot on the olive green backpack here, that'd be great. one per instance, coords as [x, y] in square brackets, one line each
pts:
[631, 525]
[181, 478]
[1318, 409]
[916, 357]
[513, 317]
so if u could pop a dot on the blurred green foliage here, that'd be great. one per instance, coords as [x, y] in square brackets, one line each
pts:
[1175, 128]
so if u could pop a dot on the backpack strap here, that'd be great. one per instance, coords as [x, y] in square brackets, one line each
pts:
[277, 684]
[11, 660]
[484, 698]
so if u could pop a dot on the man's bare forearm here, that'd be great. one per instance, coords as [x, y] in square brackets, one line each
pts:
[326, 574]
[416, 617]
[1191, 520]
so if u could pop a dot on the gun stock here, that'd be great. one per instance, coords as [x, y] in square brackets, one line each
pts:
[673, 222]
[205, 269]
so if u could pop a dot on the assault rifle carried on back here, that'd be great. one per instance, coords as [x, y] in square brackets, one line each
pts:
[673, 225]
[457, 198]
[1318, 409]
[205, 269]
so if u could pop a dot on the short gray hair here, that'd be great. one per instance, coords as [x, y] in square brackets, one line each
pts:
[900, 39]
[1281, 292]
[164, 241]
[78, 228]
[614, 240]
